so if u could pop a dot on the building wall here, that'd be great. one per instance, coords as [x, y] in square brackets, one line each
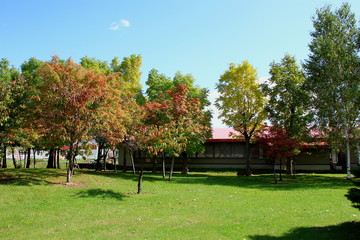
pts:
[220, 155]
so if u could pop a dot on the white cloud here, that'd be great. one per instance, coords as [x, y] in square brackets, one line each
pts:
[125, 23]
[115, 26]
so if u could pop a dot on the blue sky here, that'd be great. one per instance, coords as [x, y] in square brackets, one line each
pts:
[200, 37]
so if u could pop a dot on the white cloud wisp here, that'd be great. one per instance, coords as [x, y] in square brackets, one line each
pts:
[115, 26]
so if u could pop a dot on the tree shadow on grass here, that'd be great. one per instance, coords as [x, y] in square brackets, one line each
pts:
[100, 193]
[27, 177]
[261, 181]
[266, 182]
[344, 231]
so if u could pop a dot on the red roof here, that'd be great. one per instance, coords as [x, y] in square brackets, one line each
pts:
[227, 135]
[224, 135]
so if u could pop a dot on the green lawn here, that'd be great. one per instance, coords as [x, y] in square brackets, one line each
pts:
[35, 204]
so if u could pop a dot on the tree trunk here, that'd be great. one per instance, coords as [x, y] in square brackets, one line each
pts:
[25, 158]
[275, 181]
[34, 152]
[58, 158]
[247, 157]
[280, 169]
[1, 155]
[347, 143]
[358, 151]
[124, 163]
[51, 159]
[163, 165]
[20, 164]
[115, 168]
[4, 163]
[141, 174]
[171, 168]
[294, 167]
[288, 166]
[132, 162]
[154, 166]
[13, 156]
[28, 161]
[98, 159]
[70, 170]
[185, 169]
[104, 158]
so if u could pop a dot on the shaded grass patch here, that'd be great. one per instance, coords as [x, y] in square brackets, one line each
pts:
[103, 205]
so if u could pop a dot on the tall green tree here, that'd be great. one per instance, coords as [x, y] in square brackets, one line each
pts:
[11, 104]
[31, 137]
[130, 69]
[97, 65]
[333, 74]
[288, 101]
[287, 104]
[157, 83]
[241, 103]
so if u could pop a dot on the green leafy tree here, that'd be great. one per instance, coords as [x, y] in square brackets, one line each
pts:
[288, 101]
[333, 75]
[30, 137]
[241, 103]
[157, 83]
[11, 105]
[97, 65]
[130, 69]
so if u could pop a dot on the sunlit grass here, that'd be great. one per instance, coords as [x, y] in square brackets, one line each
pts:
[36, 204]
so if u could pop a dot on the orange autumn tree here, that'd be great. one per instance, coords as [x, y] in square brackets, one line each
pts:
[70, 103]
[182, 124]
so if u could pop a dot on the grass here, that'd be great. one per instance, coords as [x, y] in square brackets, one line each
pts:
[35, 204]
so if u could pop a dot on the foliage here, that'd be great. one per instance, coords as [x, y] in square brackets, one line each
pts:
[276, 143]
[332, 72]
[175, 123]
[241, 102]
[158, 84]
[69, 102]
[97, 65]
[287, 100]
[130, 71]
[9, 90]
[128, 68]
[12, 104]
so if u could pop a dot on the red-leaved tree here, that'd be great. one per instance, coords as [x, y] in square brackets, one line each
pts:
[277, 145]
[70, 99]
